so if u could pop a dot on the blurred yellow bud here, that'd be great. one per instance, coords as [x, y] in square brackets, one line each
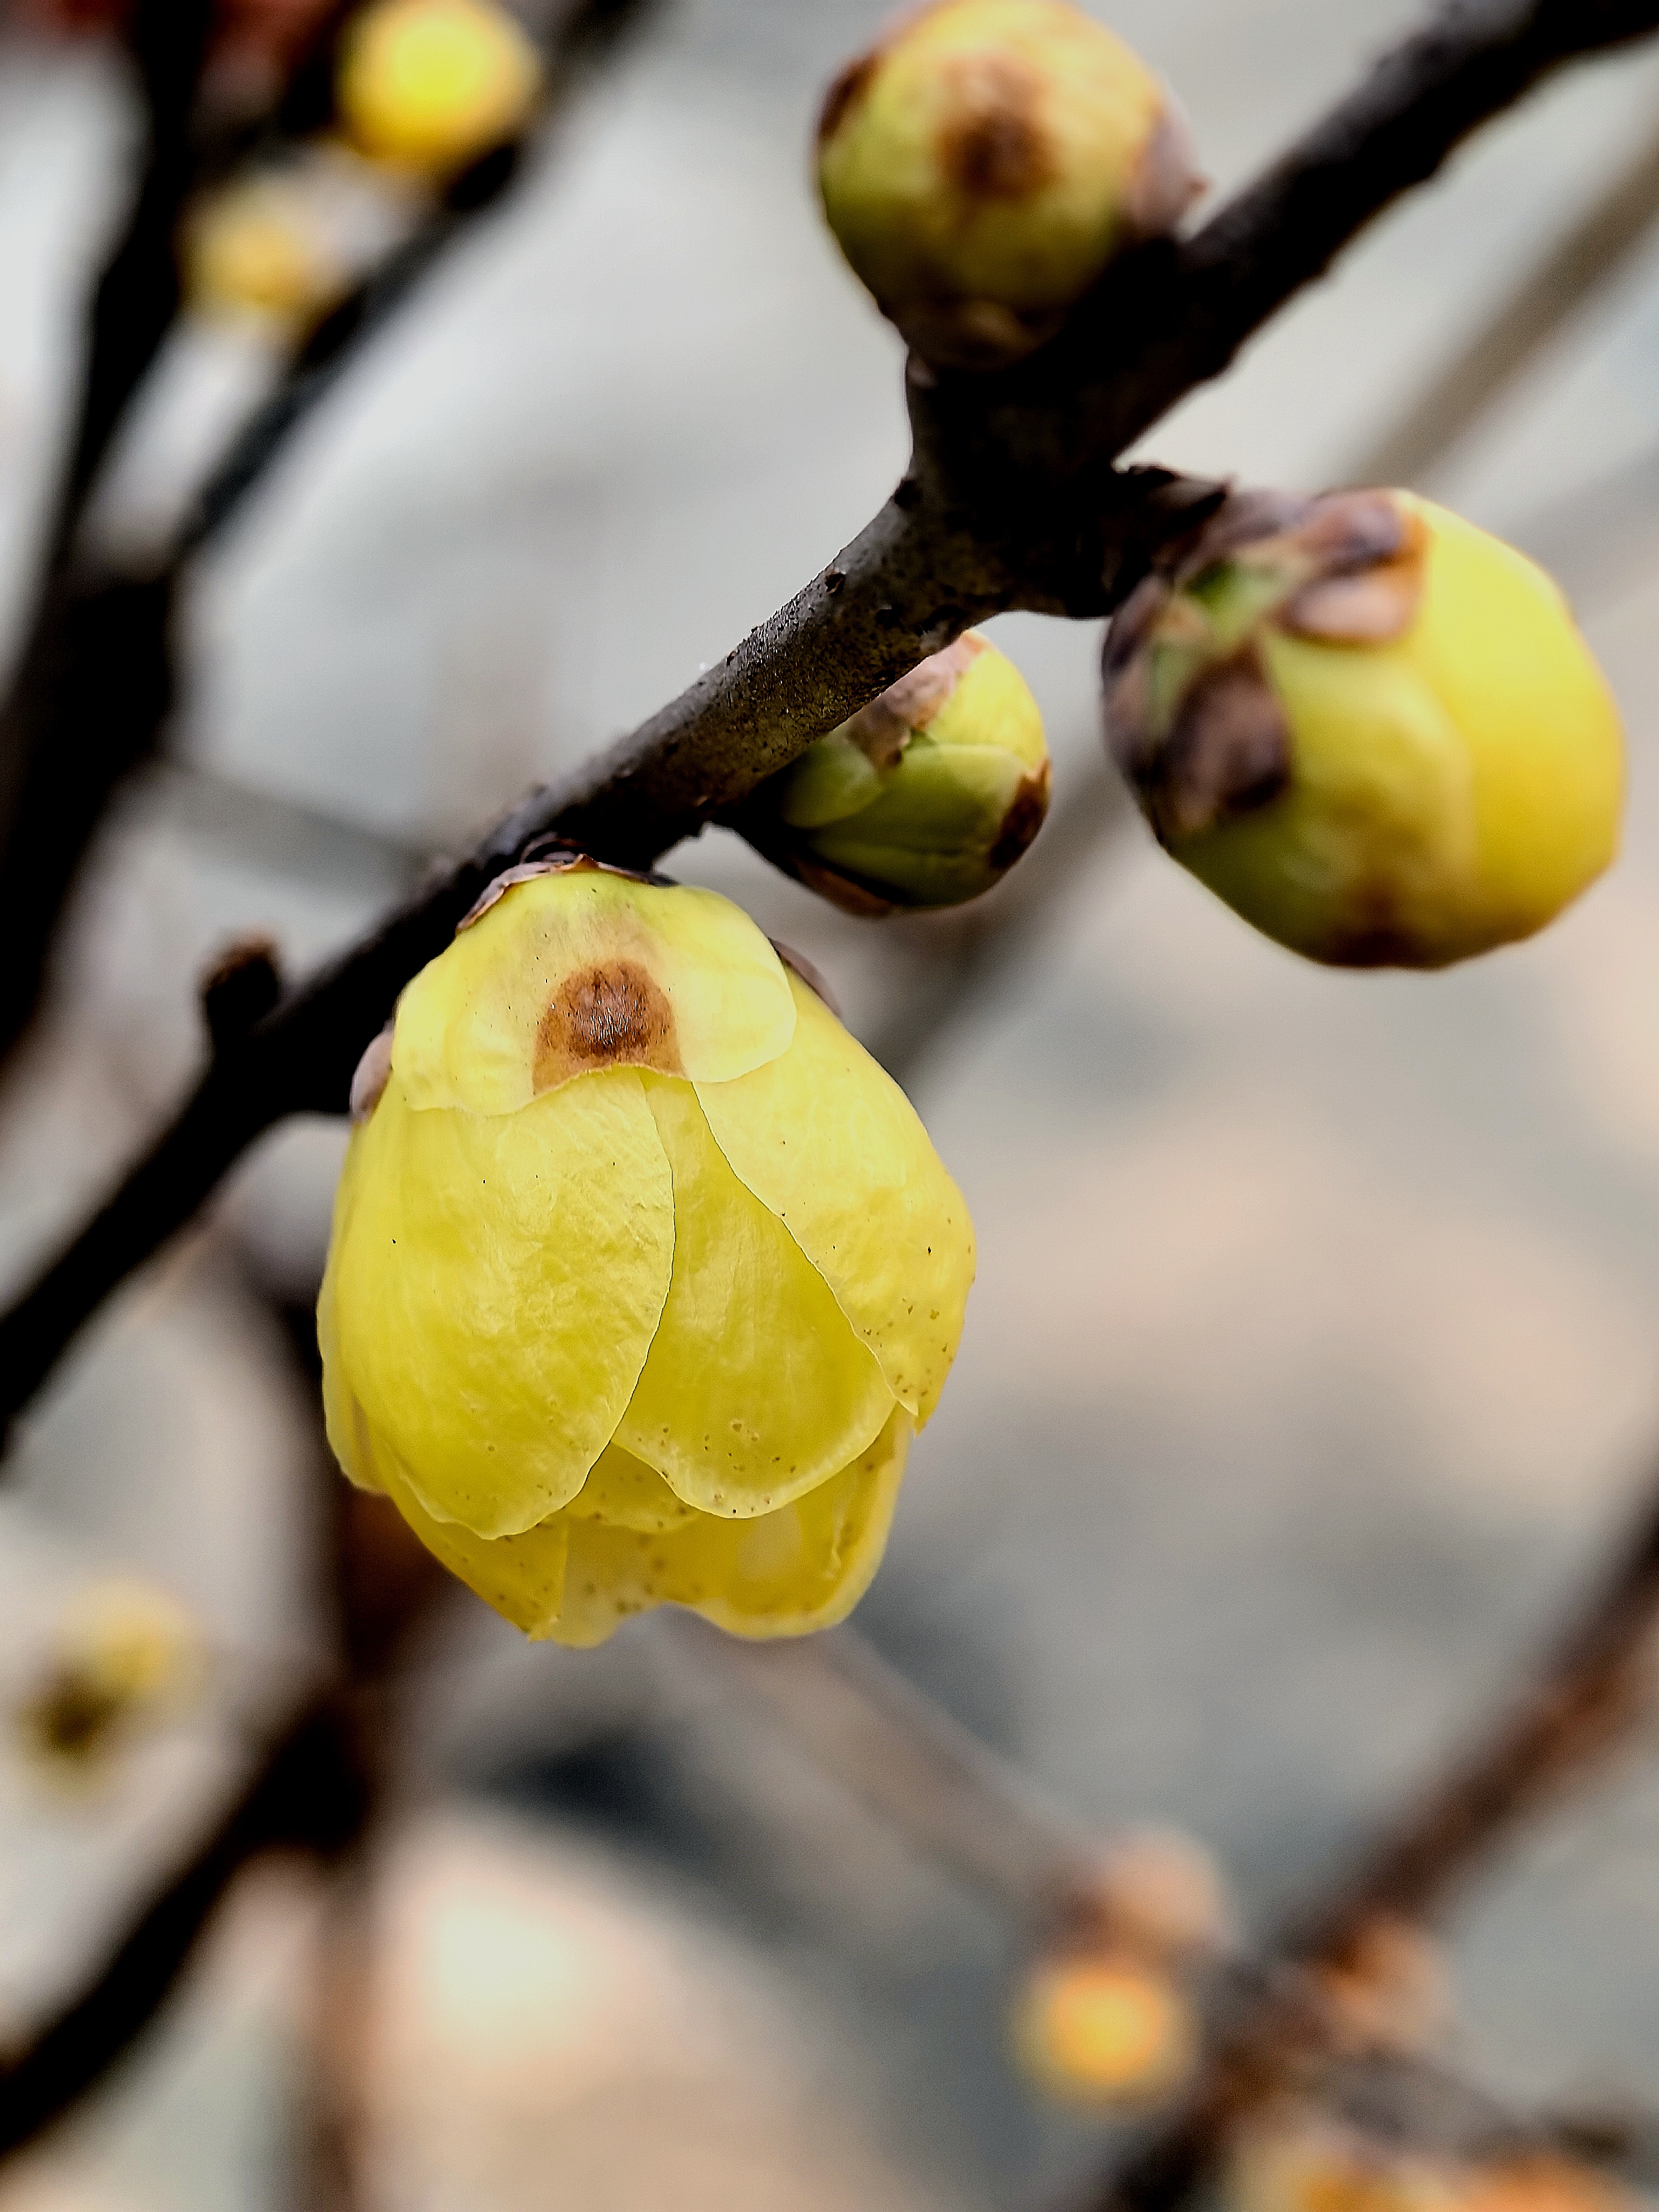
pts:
[1369, 727]
[1543, 2181]
[1310, 2163]
[124, 1653]
[924, 799]
[256, 248]
[642, 1271]
[1103, 2027]
[430, 85]
[981, 165]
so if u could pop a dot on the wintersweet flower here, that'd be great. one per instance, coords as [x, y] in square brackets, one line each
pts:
[643, 1273]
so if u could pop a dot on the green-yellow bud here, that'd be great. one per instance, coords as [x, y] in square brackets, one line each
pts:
[642, 1272]
[431, 85]
[1369, 727]
[981, 165]
[924, 799]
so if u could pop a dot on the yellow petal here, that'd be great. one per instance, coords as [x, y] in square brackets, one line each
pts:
[580, 969]
[626, 1493]
[498, 1280]
[755, 1388]
[786, 1574]
[828, 1143]
[523, 1578]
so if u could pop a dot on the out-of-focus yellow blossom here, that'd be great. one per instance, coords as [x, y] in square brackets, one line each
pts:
[924, 799]
[1369, 727]
[256, 248]
[430, 85]
[124, 1653]
[1159, 1891]
[643, 1273]
[1106, 2027]
[1302, 2160]
[981, 165]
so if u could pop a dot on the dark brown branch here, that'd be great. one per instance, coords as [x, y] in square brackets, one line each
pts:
[306, 1792]
[94, 688]
[1588, 1697]
[1011, 503]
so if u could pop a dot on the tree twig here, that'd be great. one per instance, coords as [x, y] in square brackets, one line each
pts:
[1012, 502]
[95, 689]
[1588, 1696]
[305, 1792]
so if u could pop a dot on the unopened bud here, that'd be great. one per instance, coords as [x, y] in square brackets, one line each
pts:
[432, 85]
[1161, 1893]
[1103, 2027]
[1369, 727]
[256, 249]
[983, 164]
[124, 1653]
[924, 799]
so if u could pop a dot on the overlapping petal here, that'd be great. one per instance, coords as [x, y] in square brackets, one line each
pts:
[497, 1283]
[756, 1388]
[829, 1144]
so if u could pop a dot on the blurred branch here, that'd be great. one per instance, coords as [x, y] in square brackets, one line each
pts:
[1583, 263]
[1587, 1699]
[95, 689]
[892, 1746]
[137, 295]
[1011, 500]
[306, 1791]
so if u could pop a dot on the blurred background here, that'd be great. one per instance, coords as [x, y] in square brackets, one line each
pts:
[1311, 1365]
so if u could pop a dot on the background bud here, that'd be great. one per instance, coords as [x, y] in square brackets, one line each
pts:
[123, 1652]
[256, 248]
[1102, 2028]
[1369, 727]
[432, 84]
[924, 799]
[983, 164]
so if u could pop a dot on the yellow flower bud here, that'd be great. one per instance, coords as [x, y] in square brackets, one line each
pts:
[1307, 2162]
[924, 799]
[125, 1652]
[430, 85]
[1369, 727]
[1103, 2028]
[255, 248]
[981, 165]
[642, 1271]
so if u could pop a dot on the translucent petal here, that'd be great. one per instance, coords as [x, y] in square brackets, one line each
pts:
[831, 1146]
[625, 1492]
[584, 969]
[755, 1388]
[786, 1574]
[497, 1283]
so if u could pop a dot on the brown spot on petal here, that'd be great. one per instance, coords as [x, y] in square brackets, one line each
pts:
[1351, 530]
[612, 1014]
[1024, 817]
[882, 730]
[1369, 609]
[845, 94]
[1229, 751]
[993, 145]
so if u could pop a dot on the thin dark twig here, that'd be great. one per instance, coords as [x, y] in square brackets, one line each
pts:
[1011, 502]
[137, 295]
[95, 689]
[1586, 1699]
[306, 1791]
